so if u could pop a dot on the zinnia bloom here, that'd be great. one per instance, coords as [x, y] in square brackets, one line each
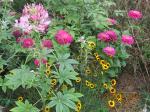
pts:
[28, 42]
[63, 37]
[34, 17]
[128, 40]
[47, 43]
[103, 37]
[36, 62]
[110, 51]
[112, 34]
[44, 61]
[111, 21]
[17, 33]
[134, 14]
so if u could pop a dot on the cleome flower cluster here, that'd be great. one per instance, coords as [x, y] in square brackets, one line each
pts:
[34, 17]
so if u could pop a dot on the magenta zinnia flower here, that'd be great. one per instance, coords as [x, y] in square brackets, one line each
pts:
[37, 62]
[63, 37]
[44, 61]
[134, 14]
[47, 43]
[110, 51]
[34, 17]
[111, 21]
[128, 40]
[17, 33]
[28, 42]
[112, 34]
[103, 37]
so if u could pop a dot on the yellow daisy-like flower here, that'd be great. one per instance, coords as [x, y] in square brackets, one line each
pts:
[112, 90]
[78, 79]
[103, 62]
[91, 44]
[87, 71]
[105, 85]
[64, 87]
[98, 58]
[48, 72]
[87, 83]
[108, 64]
[53, 82]
[20, 98]
[113, 82]
[105, 67]
[111, 103]
[119, 97]
[92, 85]
[79, 106]
[46, 109]
[48, 66]
[96, 54]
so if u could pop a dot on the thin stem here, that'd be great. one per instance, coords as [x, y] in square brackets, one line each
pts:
[37, 102]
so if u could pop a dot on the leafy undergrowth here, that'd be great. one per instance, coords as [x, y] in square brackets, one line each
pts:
[68, 56]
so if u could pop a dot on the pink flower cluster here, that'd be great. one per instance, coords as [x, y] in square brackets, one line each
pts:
[63, 37]
[34, 17]
[134, 14]
[107, 36]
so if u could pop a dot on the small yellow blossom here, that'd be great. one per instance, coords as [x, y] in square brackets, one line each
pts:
[78, 79]
[20, 98]
[87, 83]
[111, 103]
[46, 109]
[119, 97]
[103, 62]
[105, 85]
[88, 71]
[96, 54]
[105, 67]
[78, 106]
[91, 44]
[53, 82]
[48, 65]
[92, 85]
[98, 58]
[113, 82]
[112, 90]
[48, 72]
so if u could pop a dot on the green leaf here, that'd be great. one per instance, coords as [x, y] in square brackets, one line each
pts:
[65, 75]
[24, 107]
[20, 77]
[65, 101]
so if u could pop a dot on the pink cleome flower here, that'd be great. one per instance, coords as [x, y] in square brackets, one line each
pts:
[63, 37]
[128, 40]
[111, 21]
[134, 14]
[47, 43]
[103, 37]
[36, 63]
[110, 51]
[34, 17]
[112, 34]
[28, 43]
